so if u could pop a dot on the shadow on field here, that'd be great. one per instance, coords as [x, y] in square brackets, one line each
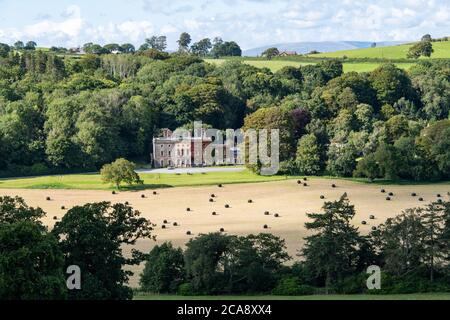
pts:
[145, 187]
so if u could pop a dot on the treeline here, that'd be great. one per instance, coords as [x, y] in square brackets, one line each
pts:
[58, 113]
[412, 251]
[34, 261]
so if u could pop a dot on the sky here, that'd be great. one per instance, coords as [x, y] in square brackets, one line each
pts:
[251, 23]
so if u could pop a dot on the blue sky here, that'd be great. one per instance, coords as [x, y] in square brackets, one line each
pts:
[251, 23]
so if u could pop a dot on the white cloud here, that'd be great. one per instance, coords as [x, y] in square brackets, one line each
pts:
[249, 22]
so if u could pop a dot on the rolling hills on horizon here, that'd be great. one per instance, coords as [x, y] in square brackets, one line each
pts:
[324, 46]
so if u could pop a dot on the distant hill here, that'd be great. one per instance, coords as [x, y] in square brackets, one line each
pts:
[441, 50]
[326, 46]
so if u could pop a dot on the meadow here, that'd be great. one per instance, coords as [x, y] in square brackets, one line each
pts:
[151, 181]
[441, 50]
[275, 65]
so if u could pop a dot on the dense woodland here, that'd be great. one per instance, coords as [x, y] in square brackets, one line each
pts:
[60, 113]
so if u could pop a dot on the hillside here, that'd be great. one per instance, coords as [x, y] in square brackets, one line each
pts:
[325, 46]
[441, 50]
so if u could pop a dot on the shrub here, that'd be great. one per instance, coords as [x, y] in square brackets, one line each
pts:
[290, 287]
[185, 289]
[352, 285]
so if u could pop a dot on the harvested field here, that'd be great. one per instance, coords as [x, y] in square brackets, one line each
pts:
[288, 199]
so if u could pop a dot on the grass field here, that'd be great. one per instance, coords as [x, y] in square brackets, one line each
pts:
[441, 50]
[275, 65]
[418, 296]
[151, 181]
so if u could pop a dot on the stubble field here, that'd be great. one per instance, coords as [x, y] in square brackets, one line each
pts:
[288, 199]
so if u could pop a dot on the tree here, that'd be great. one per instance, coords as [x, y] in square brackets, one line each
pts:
[308, 155]
[368, 167]
[270, 53]
[127, 48]
[30, 45]
[227, 48]
[255, 263]
[31, 263]
[207, 262]
[274, 118]
[112, 47]
[332, 250]
[422, 48]
[155, 42]
[92, 237]
[391, 84]
[433, 222]
[120, 171]
[183, 42]
[19, 45]
[400, 242]
[4, 50]
[202, 47]
[164, 269]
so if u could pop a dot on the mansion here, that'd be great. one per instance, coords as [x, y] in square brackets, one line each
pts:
[170, 150]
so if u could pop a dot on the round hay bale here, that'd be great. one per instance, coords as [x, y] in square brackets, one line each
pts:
[299, 182]
[55, 218]
[48, 199]
[188, 209]
[127, 203]
[113, 192]
[305, 179]
[222, 230]
[155, 193]
[388, 198]
[276, 215]
[188, 233]
[165, 222]
[175, 224]
[420, 199]
[438, 195]
[372, 217]
[63, 208]
[143, 196]
[163, 226]
[266, 213]
[364, 222]
[333, 186]
[266, 226]
[383, 191]
[374, 228]
[305, 184]
[213, 195]
[211, 200]
[214, 213]
[220, 185]
[391, 194]
[227, 206]
[413, 194]
[322, 197]
[250, 201]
